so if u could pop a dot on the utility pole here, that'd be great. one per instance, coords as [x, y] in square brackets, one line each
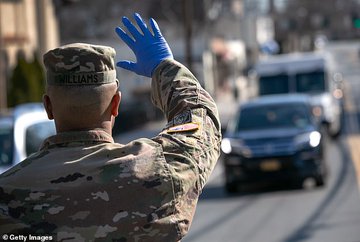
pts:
[272, 8]
[3, 86]
[188, 22]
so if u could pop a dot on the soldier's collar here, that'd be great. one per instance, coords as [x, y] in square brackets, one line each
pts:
[96, 135]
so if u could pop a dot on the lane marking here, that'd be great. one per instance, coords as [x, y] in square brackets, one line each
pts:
[354, 144]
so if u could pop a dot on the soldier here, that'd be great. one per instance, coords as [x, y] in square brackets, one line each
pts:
[81, 186]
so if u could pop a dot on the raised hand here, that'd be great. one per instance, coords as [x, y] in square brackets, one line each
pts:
[150, 48]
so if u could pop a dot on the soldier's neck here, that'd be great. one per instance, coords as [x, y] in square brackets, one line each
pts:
[105, 126]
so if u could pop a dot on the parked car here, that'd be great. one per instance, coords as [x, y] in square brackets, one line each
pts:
[6, 142]
[273, 139]
[22, 133]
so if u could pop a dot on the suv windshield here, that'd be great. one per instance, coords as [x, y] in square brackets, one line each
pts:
[273, 116]
[6, 146]
[310, 82]
[36, 134]
[274, 84]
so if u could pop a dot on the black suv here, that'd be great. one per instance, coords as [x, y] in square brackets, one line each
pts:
[273, 139]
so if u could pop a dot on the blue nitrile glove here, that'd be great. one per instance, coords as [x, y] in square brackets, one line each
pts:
[150, 49]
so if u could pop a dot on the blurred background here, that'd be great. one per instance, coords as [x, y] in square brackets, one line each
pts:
[224, 43]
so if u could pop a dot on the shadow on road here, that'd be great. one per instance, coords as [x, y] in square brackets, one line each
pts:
[219, 192]
[309, 226]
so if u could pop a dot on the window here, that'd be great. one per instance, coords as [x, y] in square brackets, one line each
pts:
[274, 116]
[311, 82]
[274, 84]
[6, 146]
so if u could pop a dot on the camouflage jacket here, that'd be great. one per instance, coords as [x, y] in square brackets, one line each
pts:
[81, 186]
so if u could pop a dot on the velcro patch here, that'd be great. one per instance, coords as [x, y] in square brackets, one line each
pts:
[183, 128]
[183, 118]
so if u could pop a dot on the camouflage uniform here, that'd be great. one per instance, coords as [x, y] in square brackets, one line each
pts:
[81, 186]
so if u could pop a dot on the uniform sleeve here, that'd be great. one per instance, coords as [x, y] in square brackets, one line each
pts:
[191, 153]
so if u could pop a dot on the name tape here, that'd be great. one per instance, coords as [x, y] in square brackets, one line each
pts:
[86, 78]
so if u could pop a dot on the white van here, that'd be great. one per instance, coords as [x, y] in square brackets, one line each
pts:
[310, 73]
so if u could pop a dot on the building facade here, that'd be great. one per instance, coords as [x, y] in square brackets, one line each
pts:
[27, 27]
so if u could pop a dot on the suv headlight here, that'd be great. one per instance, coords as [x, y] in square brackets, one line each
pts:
[311, 139]
[235, 146]
[226, 146]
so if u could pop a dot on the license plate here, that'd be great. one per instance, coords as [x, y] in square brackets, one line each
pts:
[270, 165]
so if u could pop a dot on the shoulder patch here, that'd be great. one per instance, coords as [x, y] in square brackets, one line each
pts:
[183, 118]
[183, 128]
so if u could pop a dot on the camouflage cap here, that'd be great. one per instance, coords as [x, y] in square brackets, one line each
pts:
[80, 64]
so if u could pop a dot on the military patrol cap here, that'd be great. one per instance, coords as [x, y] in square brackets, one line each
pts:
[80, 64]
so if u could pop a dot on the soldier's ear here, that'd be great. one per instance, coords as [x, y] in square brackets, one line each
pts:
[115, 103]
[48, 106]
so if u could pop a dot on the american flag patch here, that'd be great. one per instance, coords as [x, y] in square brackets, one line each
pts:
[184, 128]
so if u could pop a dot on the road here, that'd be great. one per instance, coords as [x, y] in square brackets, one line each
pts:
[328, 214]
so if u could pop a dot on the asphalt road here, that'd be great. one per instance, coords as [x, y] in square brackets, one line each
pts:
[327, 214]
